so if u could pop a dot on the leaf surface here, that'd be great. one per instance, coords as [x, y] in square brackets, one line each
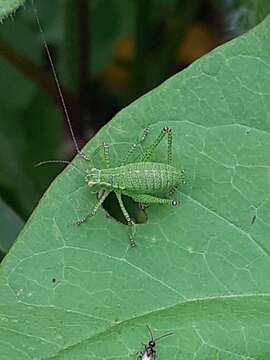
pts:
[200, 270]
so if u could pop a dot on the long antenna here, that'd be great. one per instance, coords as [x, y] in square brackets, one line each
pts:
[59, 162]
[150, 332]
[57, 82]
[164, 335]
[158, 338]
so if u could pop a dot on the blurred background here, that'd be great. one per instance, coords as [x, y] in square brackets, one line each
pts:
[107, 53]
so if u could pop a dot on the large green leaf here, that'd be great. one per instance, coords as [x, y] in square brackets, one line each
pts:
[200, 270]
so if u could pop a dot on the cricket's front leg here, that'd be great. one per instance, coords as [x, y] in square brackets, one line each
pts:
[94, 210]
[105, 148]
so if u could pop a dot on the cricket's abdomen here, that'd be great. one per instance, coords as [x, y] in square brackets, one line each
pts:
[143, 177]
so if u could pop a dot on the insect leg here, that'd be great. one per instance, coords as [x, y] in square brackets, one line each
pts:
[128, 219]
[169, 146]
[143, 206]
[149, 152]
[105, 147]
[106, 155]
[134, 146]
[172, 191]
[149, 199]
[94, 210]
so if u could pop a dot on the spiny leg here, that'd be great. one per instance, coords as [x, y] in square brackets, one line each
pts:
[105, 147]
[172, 191]
[149, 152]
[85, 157]
[134, 146]
[169, 145]
[106, 155]
[94, 210]
[149, 199]
[128, 219]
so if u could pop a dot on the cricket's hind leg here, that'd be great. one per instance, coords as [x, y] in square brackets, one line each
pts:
[95, 208]
[149, 199]
[130, 222]
[151, 149]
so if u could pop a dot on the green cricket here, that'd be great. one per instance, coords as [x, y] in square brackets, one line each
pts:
[145, 181]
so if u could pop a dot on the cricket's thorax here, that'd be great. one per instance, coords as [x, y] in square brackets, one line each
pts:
[142, 177]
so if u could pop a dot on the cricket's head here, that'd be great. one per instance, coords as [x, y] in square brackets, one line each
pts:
[92, 176]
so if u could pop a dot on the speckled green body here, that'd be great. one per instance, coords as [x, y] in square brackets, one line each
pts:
[141, 178]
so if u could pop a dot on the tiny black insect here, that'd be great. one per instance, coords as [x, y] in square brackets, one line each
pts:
[149, 352]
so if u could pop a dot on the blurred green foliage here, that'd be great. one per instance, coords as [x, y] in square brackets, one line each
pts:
[248, 13]
[10, 225]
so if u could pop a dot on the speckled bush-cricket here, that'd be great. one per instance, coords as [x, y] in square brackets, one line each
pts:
[149, 352]
[144, 180]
